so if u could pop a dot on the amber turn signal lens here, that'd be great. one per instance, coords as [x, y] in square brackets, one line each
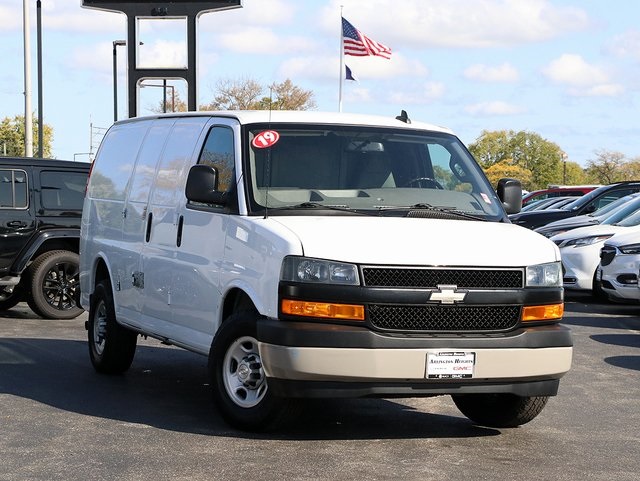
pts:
[542, 313]
[325, 310]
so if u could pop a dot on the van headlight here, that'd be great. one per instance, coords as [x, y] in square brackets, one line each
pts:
[320, 271]
[544, 275]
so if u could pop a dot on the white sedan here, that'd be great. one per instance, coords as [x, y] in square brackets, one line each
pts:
[619, 267]
[580, 250]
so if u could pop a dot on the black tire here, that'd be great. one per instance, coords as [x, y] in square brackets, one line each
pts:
[9, 298]
[54, 280]
[238, 381]
[597, 292]
[499, 410]
[111, 346]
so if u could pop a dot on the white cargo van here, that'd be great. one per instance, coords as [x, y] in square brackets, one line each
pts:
[311, 254]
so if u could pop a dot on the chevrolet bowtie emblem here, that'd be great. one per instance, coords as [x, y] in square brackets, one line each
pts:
[447, 294]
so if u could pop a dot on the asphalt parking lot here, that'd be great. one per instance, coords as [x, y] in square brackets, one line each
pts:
[59, 420]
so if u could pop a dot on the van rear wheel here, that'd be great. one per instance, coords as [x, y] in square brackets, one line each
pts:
[499, 410]
[240, 389]
[111, 346]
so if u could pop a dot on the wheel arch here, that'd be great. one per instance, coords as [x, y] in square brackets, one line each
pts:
[58, 239]
[235, 300]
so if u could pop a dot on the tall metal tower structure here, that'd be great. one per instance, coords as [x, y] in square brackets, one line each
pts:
[150, 9]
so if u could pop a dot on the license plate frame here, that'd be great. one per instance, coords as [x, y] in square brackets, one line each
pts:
[450, 365]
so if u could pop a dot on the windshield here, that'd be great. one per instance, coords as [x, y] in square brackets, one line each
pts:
[631, 220]
[612, 207]
[363, 170]
[623, 212]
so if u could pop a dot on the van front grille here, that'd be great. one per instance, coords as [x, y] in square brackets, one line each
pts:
[400, 277]
[439, 318]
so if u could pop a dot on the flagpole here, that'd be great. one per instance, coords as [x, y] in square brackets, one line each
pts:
[341, 64]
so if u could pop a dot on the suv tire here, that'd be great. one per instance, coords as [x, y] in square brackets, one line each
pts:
[499, 410]
[54, 278]
[8, 299]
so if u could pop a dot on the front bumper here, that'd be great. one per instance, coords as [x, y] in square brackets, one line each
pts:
[309, 359]
[580, 264]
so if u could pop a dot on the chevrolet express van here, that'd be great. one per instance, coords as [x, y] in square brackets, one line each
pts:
[319, 255]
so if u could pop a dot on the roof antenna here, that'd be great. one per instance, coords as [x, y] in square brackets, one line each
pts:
[403, 117]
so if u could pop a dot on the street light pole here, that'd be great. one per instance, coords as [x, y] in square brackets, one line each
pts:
[28, 115]
[116, 44]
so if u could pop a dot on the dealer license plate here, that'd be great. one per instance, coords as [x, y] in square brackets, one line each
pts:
[450, 365]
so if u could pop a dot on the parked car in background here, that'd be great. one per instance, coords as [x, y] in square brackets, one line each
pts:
[551, 203]
[586, 204]
[558, 191]
[580, 249]
[619, 266]
[40, 212]
[564, 225]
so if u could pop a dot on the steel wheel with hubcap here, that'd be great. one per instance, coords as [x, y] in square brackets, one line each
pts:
[240, 388]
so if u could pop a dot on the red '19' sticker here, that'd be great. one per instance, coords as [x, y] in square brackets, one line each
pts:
[265, 139]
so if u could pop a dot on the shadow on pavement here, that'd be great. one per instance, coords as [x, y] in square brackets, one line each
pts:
[167, 388]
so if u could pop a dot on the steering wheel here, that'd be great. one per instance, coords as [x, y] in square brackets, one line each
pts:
[424, 183]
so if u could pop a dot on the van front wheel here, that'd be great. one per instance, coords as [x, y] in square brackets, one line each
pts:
[111, 346]
[499, 410]
[239, 384]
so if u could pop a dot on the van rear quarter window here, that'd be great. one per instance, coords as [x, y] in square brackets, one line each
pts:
[117, 157]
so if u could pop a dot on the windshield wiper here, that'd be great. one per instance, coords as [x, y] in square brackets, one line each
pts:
[445, 210]
[318, 205]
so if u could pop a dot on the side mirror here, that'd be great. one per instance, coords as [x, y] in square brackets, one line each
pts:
[510, 193]
[202, 186]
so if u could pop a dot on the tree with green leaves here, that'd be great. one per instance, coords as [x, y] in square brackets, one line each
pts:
[526, 150]
[12, 137]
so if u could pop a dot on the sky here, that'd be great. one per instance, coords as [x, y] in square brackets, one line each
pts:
[568, 70]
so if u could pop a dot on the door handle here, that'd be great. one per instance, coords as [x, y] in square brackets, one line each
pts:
[149, 222]
[16, 223]
[179, 237]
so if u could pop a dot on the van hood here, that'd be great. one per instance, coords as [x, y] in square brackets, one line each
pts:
[416, 241]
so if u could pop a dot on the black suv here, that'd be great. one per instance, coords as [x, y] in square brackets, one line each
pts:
[40, 213]
[586, 204]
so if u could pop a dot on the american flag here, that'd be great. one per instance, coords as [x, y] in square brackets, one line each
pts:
[358, 44]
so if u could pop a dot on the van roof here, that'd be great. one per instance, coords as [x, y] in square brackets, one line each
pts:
[297, 116]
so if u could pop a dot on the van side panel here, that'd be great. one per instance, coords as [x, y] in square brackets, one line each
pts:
[101, 229]
[128, 299]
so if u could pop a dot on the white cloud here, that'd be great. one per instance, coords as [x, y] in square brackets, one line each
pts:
[484, 73]
[625, 45]
[457, 23]
[427, 93]
[357, 95]
[494, 108]
[263, 41]
[163, 54]
[364, 68]
[580, 77]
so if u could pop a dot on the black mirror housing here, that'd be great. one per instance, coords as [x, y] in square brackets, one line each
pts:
[510, 193]
[202, 186]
